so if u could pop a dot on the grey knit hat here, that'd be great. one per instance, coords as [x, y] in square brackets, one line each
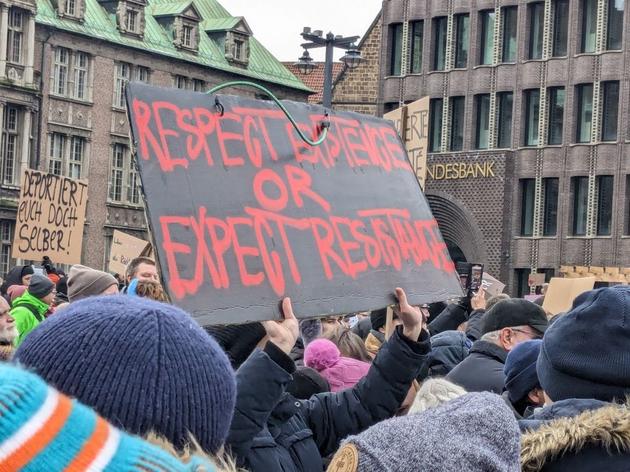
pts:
[85, 282]
[40, 286]
[475, 432]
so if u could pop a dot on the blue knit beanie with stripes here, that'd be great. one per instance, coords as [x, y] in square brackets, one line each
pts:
[142, 365]
[43, 430]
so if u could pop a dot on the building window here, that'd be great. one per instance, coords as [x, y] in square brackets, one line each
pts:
[187, 39]
[132, 21]
[550, 207]
[123, 74]
[627, 225]
[142, 74]
[482, 107]
[70, 74]
[57, 151]
[589, 26]
[532, 112]
[536, 13]
[62, 60]
[457, 123]
[510, 25]
[556, 97]
[10, 144]
[396, 32]
[462, 40]
[6, 240]
[585, 112]
[528, 195]
[124, 181]
[486, 18]
[604, 204]
[66, 160]
[70, 8]
[560, 27]
[610, 110]
[580, 205]
[614, 40]
[198, 85]
[505, 104]
[440, 26]
[417, 35]
[435, 118]
[15, 39]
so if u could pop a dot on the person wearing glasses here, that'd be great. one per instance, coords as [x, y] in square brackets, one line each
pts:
[503, 327]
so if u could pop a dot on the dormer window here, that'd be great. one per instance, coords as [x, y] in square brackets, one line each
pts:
[233, 35]
[129, 15]
[132, 22]
[182, 21]
[70, 8]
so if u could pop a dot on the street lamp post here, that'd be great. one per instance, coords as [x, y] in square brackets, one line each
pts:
[316, 39]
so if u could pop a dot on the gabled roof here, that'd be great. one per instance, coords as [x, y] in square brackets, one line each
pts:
[225, 24]
[315, 80]
[98, 24]
[172, 9]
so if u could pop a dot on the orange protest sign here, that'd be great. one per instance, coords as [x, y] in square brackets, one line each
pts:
[561, 293]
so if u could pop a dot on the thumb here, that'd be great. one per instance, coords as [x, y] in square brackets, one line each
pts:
[402, 296]
[287, 309]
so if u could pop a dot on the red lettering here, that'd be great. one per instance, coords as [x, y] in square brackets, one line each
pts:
[354, 268]
[241, 252]
[324, 242]
[220, 245]
[179, 286]
[300, 183]
[224, 137]
[269, 203]
[252, 145]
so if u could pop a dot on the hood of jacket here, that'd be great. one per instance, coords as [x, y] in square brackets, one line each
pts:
[562, 409]
[606, 429]
[28, 299]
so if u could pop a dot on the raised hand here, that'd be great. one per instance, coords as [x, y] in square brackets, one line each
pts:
[411, 316]
[284, 333]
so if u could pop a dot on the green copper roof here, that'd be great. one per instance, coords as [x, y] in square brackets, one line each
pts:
[171, 8]
[221, 24]
[99, 24]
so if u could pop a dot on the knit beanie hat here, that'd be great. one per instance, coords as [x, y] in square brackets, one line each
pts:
[306, 383]
[310, 330]
[435, 392]
[514, 312]
[520, 370]
[340, 372]
[43, 430]
[474, 433]
[27, 270]
[586, 352]
[40, 286]
[143, 365]
[378, 318]
[85, 282]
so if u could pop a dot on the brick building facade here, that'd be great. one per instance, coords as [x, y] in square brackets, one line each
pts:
[538, 91]
[62, 78]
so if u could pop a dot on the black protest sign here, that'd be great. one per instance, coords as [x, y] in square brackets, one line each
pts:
[244, 212]
[50, 218]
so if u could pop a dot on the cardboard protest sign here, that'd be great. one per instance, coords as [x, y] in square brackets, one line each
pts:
[50, 218]
[412, 123]
[561, 293]
[491, 285]
[244, 212]
[124, 248]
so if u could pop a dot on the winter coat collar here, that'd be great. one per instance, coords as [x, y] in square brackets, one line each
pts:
[489, 349]
[562, 409]
[606, 428]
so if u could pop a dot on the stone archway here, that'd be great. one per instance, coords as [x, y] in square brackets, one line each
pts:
[459, 228]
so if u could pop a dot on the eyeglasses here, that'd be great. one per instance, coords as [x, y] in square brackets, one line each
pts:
[531, 334]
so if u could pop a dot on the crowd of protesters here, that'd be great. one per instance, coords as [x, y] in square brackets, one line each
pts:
[100, 372]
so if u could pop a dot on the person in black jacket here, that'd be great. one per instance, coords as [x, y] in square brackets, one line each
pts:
[273, 431]
[504, 326]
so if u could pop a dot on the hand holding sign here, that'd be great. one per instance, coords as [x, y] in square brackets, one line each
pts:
[284, 333]
[478, 302]
[411, 316]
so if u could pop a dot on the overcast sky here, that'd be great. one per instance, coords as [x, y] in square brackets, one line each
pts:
[277, 24]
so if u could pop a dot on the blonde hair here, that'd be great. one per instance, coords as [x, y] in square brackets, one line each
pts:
[433, 393]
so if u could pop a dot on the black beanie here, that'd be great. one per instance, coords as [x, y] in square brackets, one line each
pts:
[378, 318]
[40, 286]
[27, 270]
[238, 341]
